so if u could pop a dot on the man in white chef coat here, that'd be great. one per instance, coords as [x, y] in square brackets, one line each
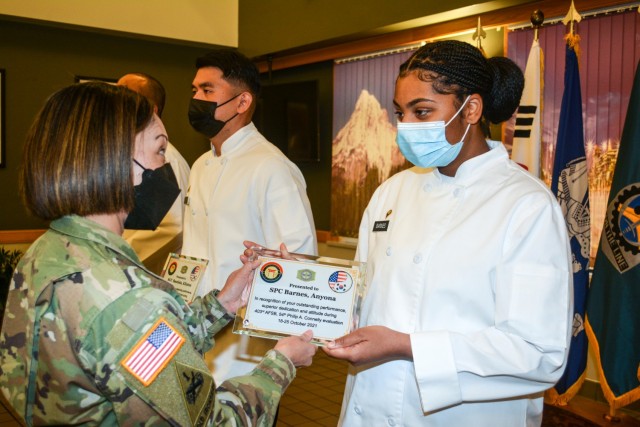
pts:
[244, 188]
[153, 246]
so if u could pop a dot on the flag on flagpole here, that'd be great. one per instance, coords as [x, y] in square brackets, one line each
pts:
[526, 137]
[613, 316]
[570, 184]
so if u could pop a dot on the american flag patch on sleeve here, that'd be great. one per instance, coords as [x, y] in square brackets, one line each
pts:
[153, 352]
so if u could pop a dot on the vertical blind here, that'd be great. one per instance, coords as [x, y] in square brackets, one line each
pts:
[373, 157]
[609, 54]
[377, 75]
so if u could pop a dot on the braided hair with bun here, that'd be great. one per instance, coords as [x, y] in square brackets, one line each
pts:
[459, 68]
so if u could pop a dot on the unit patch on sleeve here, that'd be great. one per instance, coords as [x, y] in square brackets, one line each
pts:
[198, 392]
[153, 352]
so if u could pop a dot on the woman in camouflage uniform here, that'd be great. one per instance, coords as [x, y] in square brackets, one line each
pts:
[90, 336]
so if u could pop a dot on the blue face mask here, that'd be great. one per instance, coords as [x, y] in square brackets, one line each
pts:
[425, 143]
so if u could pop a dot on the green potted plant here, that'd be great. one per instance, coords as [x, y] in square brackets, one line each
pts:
[8, 261]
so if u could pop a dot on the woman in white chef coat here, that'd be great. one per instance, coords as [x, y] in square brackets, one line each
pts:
[468, 311]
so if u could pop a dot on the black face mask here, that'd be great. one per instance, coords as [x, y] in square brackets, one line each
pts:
[153, 198]
[201, 116]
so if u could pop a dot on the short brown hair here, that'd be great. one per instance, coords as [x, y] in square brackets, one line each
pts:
[77, 155]
[150, 88]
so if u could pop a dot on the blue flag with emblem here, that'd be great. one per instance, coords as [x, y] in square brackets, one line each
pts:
[613, 317]
[570, 184]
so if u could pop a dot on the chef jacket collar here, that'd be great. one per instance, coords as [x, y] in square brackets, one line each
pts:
[235, 141]
[473, 167]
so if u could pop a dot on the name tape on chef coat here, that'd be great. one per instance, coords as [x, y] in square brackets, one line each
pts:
[380, 226]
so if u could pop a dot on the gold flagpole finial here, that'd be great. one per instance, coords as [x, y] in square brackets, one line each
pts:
[572, 16]
[479, 34]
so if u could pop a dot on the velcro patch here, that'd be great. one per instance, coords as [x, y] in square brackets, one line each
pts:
[153, 352]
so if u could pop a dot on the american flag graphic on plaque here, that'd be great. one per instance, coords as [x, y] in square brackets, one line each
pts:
[340, 281]
[195, 272]
[153, 352]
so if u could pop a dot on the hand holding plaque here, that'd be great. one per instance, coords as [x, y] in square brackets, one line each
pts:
[289, 296]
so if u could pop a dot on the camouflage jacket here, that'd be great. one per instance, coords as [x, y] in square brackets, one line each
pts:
[91, 337]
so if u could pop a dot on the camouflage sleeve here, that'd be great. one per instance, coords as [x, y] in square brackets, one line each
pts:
[204, 316]
[269, 379]
[147, 364]
[215, 314]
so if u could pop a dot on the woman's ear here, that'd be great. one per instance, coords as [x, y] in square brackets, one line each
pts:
[473, 109]
[245, 102]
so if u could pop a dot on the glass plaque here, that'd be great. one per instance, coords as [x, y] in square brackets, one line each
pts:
[290, 296]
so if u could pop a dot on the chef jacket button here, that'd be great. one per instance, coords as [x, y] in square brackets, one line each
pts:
[223, 161]
[417, 259]
[206, 162]
[358, 410]
[389, 251]
[457, 192]
[426, 187]
[391, 422]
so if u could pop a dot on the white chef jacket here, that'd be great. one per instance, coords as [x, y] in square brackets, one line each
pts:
[153, 246]
[477, 269]
[250, 192]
